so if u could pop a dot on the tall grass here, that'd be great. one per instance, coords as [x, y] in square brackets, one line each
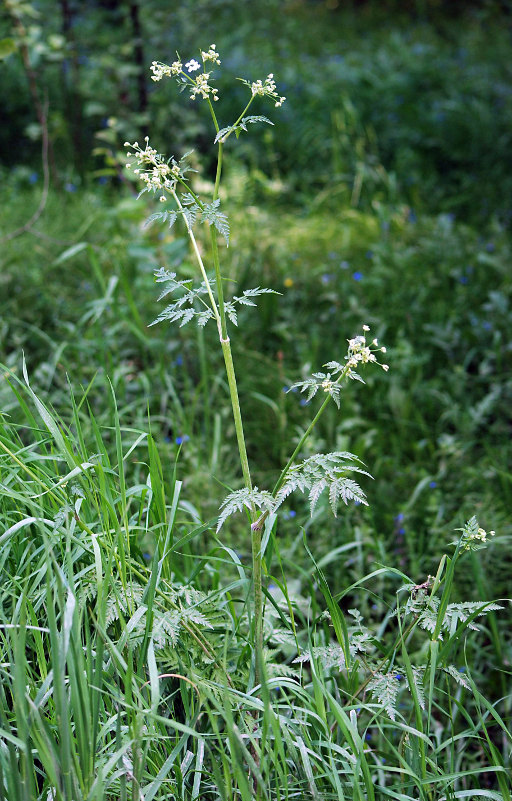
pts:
[127, 620]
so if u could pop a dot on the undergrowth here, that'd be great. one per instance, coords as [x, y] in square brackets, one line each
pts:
[156, 643]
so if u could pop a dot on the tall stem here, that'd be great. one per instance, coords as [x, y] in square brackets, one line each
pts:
[240, 437]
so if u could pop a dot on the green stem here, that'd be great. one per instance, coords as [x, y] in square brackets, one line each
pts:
[201, 265]
[291, 460]
[237, 416]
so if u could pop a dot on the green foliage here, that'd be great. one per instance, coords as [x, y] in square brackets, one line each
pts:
[127, 633]
[325, 471]
[240, 126]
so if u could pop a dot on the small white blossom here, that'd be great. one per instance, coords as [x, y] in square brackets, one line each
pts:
[160, 70]
[361, 353]
[203, 88]
[474, 536]
[192, 65]
[211, 55]
[266, 88]
[157, 175]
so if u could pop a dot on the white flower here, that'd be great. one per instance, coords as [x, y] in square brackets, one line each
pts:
[157, 175]
[203, 88]
[265, 89]
[210, 55]
[192, 65]
[361, 353]
[160, 70]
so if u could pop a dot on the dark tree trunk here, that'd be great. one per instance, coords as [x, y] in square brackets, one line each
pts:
[138, 54]
[71, 79]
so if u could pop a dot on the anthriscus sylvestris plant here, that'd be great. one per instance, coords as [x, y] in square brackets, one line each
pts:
[169, 178]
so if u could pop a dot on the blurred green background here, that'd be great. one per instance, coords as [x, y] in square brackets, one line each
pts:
[382, 196]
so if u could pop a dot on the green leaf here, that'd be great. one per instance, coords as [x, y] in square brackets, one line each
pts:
[245, 498]
[211, 215]
[7, 48]
[223, 134]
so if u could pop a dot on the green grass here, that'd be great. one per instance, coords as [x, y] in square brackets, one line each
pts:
[121, 676]
[126, 654]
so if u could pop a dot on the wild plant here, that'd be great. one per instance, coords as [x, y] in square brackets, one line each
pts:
[365, 668]
[122, 679]
[171, 179]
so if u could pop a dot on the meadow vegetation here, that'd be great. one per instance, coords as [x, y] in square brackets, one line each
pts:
[354, 644]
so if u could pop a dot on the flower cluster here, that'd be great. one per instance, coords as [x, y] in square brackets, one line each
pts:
[267, 89]
[361, 353]
[210, 55]
[477, 537]
[158, 175]
[192, 65]
[203, 88]
[160, 70]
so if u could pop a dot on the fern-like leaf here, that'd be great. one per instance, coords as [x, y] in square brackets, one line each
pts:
[455, 614]
[159, 215]
[418, 674]
[190, 298]
[223, 134]
[458, 676]
[245, 498]
[329, 656]
[385, 688]
[211, 215]
[346, 490]
[323, 471]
